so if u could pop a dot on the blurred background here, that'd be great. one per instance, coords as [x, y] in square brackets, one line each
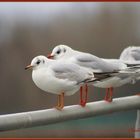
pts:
[30, 29]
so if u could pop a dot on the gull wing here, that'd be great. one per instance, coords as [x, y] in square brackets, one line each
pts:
[133, 72]
[96, 63]
[71, 72]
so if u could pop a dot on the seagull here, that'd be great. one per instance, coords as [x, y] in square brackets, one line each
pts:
[87, 60]
[59, 77]
[131, 55]
[110, 72]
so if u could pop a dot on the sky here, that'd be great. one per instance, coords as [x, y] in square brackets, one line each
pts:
[43, 8]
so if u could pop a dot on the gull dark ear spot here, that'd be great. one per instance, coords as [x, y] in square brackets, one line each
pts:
[64, 50]
[43, 61]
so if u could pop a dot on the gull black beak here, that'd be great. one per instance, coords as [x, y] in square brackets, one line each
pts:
[28, 67]
[50, 56]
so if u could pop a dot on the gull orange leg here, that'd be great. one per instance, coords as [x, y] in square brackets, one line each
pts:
[60, 103]
[109, 93]
[86, 92]
[83, 101]
[81, 96]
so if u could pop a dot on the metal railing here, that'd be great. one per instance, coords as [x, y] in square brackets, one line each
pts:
[50, 116]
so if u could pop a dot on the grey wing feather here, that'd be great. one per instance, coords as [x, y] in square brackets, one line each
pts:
[123, 74]
[96, 63]
[71, 72]
[128, 72]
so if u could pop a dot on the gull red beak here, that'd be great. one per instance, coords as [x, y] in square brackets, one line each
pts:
[28, 67]
[50, 56]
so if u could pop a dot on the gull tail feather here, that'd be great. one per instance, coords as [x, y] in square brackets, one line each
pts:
[88, 80]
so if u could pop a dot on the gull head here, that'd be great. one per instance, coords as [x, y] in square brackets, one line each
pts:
[60, 51]
[37, 62]
[130, 53]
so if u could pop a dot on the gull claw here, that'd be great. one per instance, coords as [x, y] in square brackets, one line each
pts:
[59, 107]
[109, 100]
[83, 104]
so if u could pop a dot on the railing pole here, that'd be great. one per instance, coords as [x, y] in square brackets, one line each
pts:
[51, 116]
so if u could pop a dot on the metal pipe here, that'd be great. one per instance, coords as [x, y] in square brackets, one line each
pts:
[51, 116]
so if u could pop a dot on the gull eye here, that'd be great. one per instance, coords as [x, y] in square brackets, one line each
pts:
[58, 52]
[38, 62]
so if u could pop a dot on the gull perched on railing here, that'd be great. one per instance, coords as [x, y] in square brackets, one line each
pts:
[131, 55]
[58, 77]
[110, 72]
